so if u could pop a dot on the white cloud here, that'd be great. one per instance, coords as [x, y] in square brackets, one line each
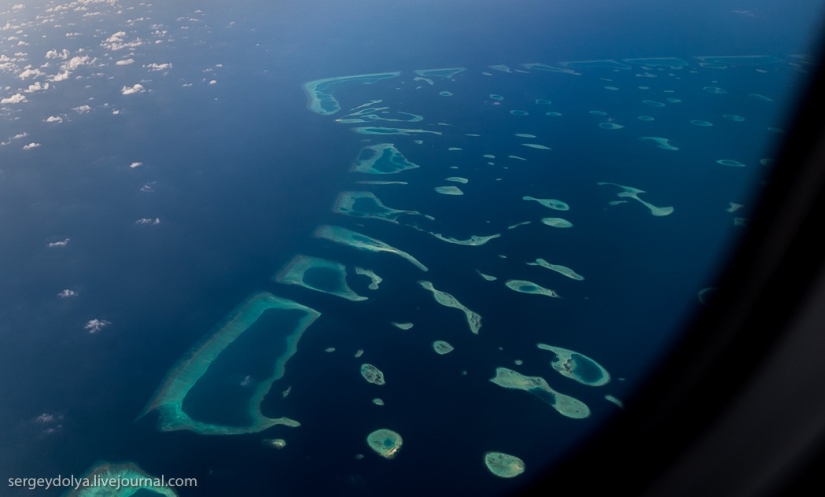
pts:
[213, 82]
[76, 62]
[125, 62]
[116, 38]
[67, 293]
[51, 422]
[31, 146]
[54, 54]
[148, 220]
[54, 119]
[158, 67]
[19, 136]
[117, 42]
[30, 73]
[148, 187]
[95, 325]
[61, 76]
[47, 418]
[82, 109]
[17, 98]
[131, 90]
[61, 243]
[18, 6]
[38, 86]
[135, 164]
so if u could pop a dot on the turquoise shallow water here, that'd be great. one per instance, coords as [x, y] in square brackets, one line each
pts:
[111, 273]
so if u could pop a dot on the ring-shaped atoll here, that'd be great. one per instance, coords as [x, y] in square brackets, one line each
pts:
[320, 91]
[523, 286]
[168, 399]
[318, 274]
[367, 205]
[550, 203]
[564, 270]
[577, 366]
[386, 443]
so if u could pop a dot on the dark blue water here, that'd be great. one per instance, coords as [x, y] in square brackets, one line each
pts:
[240, 173]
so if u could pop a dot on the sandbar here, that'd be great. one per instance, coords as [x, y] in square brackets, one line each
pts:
[536, 385]
[556, 222]
[441, 347]
[566, 271]
[447, 300]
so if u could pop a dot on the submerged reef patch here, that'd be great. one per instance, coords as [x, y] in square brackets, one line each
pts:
[449, 190]
[372, 374]
[356, 240]
[382, 158]
[630, 192]
[662, 143]
[447, 72]
[375, 280]
[473, 241]
[503, 465]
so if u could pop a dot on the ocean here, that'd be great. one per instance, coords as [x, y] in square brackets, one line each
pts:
[134, 227]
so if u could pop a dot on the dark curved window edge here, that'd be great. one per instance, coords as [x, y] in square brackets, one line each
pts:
[771, 272]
